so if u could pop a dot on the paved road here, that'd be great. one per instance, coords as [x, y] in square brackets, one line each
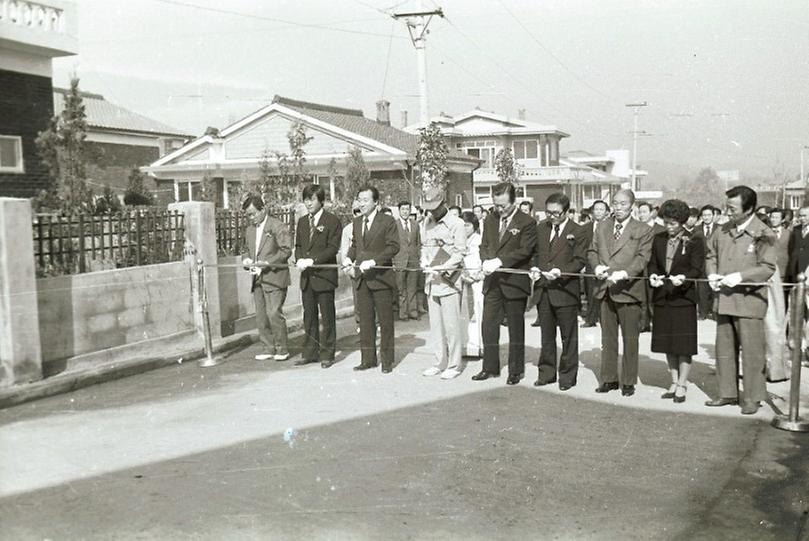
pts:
[271, 451]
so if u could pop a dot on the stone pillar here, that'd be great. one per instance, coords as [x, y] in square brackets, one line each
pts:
[200, 231]
[20, 349]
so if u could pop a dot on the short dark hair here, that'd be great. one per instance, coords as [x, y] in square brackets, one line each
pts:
[456, 207]
[529, 203]
[560, 199]
[706, 207]
[676, 210]
[386, 210]
[314, 190]
[644, 204]
[747, 195]
[505, 187]
[693, 211]
[403, 203]
[470, 218]
[778, 210]
[369, 188]
[478, 207]
[253, 199]
[585, 215]
[599, 201]
[788, 215]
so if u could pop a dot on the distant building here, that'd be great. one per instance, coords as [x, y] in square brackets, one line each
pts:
[788, 195]
[543, 171]
[31, 35]
[232, 155]
[120, 140]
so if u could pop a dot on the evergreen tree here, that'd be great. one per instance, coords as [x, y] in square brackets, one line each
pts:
[431, 157]
[506, 166]
[136, 191]
[357, 175]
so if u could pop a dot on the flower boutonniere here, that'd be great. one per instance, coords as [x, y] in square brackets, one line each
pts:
[571, 237]
[684, 242]
[514, 231]
[320, 228]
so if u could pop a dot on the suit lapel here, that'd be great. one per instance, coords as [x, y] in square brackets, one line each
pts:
[372, 231]
[506, 234]
[263, 236]
[557, 245]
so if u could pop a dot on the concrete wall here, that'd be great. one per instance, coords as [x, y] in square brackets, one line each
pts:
[85, 313]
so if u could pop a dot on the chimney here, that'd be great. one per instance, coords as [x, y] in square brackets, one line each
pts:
[383, 112]
[404, 119]
[521, 114]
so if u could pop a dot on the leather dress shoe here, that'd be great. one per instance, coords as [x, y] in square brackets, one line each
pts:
[480, 376]
[627, 390]
[536, 323]
[566, 386]
[327, 364]
[719, 402]
[607, 387]
[540, 383]
[750, 408]
[387, 369]
[363, 367]
[514, 379]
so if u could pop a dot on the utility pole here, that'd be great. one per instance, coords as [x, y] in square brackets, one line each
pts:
[636, 107]
[417, 23]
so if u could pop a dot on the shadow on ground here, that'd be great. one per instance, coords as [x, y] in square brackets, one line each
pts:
[505, 463]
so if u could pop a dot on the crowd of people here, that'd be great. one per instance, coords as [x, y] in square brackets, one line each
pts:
[626, 265]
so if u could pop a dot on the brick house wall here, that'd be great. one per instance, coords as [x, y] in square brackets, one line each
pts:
[26, 108]
[112, 164]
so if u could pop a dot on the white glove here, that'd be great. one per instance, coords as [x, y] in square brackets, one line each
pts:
[367, 264]
[732, 280]
[255, 271]
[304, 263]
[347, 263]
[535, 274]
[677, 280]
[247, 262]
[617, 276]
[552, 274]
[601, 272]
[655, 280]
[714, 281]
[491, 265]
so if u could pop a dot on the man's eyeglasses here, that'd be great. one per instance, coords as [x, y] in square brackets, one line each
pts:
[554, 213]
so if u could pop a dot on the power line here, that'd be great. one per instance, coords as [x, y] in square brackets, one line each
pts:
[273, 19]
[387, 60]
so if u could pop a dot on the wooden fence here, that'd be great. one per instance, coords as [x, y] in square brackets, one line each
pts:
[85, 243]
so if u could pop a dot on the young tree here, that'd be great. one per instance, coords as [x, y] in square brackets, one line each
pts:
[506, 166]
[431, 157]
[357, 174]
[207, 190]
[136, 192]
[63, 148]
[297, 155]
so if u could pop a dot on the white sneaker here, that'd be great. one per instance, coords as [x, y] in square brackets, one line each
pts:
[281, 357]
[432, 371]
[264, 356]
[450, 373]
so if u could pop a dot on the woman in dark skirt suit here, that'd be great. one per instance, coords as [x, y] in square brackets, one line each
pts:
[676, 255]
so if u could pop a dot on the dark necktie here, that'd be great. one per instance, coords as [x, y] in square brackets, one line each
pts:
[618, 227]
[707, 230]
[555, 235]
[311, 227]
[364, 226]
[503, 224]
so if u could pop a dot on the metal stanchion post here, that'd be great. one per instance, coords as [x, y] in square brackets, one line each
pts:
[209, 359]
[793, 422]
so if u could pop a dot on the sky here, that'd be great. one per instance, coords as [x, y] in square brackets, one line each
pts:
[726, 81]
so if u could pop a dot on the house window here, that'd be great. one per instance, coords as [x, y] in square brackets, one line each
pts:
[525, 150]
[11, 154]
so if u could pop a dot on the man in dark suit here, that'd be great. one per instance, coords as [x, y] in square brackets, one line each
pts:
[561, 248]
[509, 241]
[705, 297]
[600, 211]
[799, 246]
[619, 254]
[270, 243]
[782, 234]
[407, 258]
[375, 242]
[317, 241]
